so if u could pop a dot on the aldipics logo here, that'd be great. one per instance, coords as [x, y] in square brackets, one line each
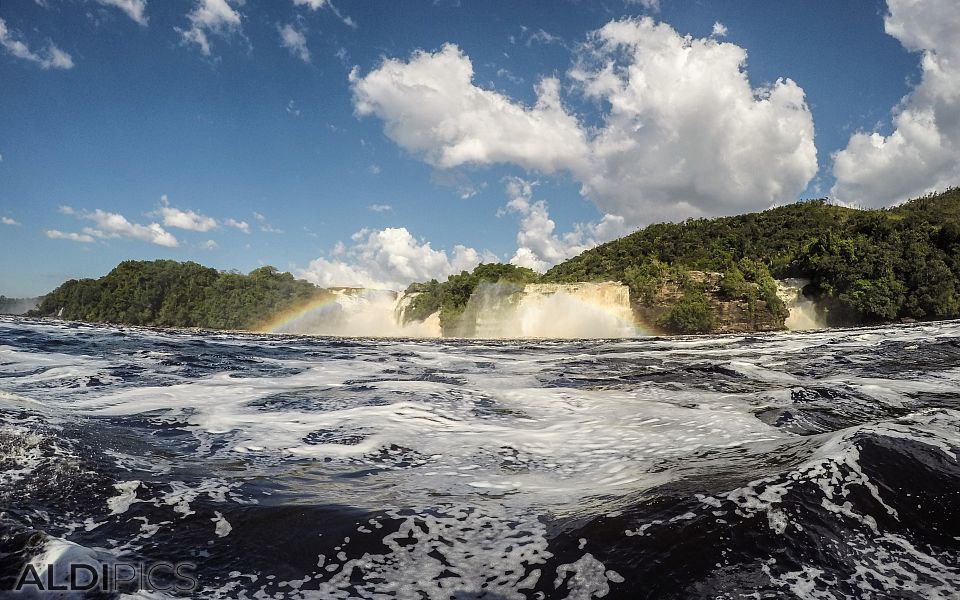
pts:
[113, 577]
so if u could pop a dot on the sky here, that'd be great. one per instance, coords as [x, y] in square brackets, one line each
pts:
[375, 143]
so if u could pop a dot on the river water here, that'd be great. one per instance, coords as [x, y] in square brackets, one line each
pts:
[807, 465]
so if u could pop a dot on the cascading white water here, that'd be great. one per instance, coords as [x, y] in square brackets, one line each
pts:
[355, 312]
[549, 310]
[494, 311]
[803, 311]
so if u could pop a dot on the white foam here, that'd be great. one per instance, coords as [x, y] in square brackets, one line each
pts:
[128, 495]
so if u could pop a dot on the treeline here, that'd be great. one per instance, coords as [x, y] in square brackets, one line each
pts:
[865, 266]
[167, 293]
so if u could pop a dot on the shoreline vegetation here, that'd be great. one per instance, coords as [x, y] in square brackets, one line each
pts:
[864, 267]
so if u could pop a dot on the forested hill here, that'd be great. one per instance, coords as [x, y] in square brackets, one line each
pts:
[173, 294]
[864, 265]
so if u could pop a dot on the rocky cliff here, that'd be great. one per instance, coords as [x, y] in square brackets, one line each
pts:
[723, 313]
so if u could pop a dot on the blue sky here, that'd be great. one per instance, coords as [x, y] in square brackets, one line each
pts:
[140, 129]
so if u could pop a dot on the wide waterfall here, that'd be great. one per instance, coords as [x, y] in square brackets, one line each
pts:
[803, 311]
[356, 312]
[494, 311]
[548, 310]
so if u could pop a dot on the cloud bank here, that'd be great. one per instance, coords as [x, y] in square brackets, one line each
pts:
[389, 258]
[923, 151]
[683, 132]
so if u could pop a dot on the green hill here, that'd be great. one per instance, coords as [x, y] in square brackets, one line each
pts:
[173, 294]
[865, 266]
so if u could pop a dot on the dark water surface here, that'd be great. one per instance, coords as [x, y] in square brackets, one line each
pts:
[818, 465]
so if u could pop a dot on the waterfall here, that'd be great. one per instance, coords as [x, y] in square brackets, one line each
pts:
[803, 311]
[548, 310]
[494, 311]
[357, 312]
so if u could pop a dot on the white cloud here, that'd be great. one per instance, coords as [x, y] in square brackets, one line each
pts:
[209, 245]
[56, 234]
[388, 258]
[380, 207]
[50, 57]
[264, 226]
[184, 219]
[114, 225]
[653, 5]
[538, 246]
[9, 221]
[241, 225]
[374, 169]
[922, 153]
[431, 107]
[683, 133]
[294, 40]
[719, 29]
[543, 37]
[66, 210]
[135, 9]
[292, 109]
[686, 134]
[216, 17]
[318, 4]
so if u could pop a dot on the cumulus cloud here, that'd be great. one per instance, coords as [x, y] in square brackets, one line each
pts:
[431, 107]
[686, 134]
[539, 247]
[209, 245]
[56, 234]
[719, 29]
[110, 225]
[683, 133]
[9, 221]
[135, 9]
[184, 219]
[241, 225]
[50, 57]
[389, 258]
[923, 151]
[294, 39]
[218, 17]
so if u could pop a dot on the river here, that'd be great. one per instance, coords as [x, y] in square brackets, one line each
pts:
[797, 464]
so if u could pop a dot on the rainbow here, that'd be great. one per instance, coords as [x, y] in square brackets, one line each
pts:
[280, 322]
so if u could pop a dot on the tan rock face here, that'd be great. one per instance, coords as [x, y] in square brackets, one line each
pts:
[731, 316]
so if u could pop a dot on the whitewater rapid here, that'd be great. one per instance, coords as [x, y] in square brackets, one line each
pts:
[808, 465]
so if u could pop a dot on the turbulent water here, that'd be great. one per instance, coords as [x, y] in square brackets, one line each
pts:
[808, 465]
